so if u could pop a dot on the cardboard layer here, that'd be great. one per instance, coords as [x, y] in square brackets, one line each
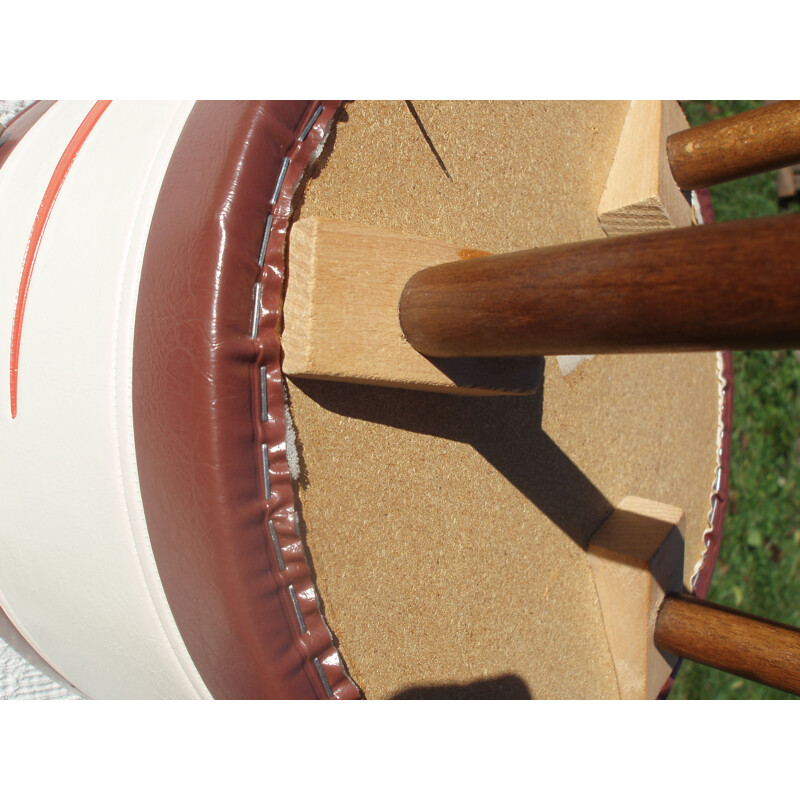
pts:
[447, 534]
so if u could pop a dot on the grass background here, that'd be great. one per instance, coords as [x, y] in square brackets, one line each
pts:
[759, 561]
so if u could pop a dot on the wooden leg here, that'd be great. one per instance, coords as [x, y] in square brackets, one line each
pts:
[745, 144]
[729, 286]
[363, 306]
[726, 639]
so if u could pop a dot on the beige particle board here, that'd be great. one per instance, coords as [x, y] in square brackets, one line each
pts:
[448, 534]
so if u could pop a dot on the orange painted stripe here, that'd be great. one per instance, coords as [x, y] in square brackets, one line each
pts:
[39, 224]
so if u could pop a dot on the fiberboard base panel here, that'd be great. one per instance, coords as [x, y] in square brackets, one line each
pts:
[447, 535]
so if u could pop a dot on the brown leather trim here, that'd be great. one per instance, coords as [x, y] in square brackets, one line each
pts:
[20, 125]
[198, 424]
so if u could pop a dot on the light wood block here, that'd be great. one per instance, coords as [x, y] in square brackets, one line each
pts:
[640, 194]
[786, 182]
[341, 314]
[637, 558]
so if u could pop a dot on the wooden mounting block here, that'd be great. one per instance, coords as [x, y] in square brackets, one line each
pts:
[636, 557]
[341, 319]
[641, 194]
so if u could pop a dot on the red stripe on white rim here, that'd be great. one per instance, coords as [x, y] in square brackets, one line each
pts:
[37, 231]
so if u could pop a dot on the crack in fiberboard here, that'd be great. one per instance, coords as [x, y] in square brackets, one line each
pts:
[435, 152]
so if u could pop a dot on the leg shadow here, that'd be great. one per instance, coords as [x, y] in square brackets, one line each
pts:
[506, 431]
[506, 687]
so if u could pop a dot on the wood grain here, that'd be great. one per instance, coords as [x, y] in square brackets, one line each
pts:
[730, 286]
[745, 144]
[341, 320]
[753, 648]
[636, 556]
[640, 194]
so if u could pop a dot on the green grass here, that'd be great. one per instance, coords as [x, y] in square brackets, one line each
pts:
[759, 565]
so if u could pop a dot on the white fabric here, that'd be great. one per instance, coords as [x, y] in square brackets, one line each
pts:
[20, 680]
[77, 576]
[568, 363]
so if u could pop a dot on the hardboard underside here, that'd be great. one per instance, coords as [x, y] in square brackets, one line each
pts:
[447, 534]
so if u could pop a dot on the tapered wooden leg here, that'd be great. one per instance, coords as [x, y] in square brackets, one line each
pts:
[365, 305]
[729, 286]
[745, 144]
[726, 639]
